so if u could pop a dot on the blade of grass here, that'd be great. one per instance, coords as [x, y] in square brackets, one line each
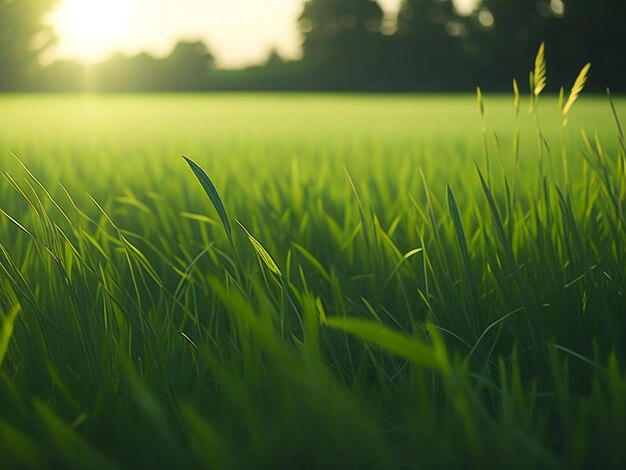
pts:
[7, 330]
[390, 340]
[262, 252]
[211, 191]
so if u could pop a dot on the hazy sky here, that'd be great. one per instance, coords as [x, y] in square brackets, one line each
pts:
[238, 32]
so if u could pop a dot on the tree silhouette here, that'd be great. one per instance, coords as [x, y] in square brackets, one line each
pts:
[23, 36]
[141, 72]
[575, 32]
[186, 68]
[431, 36]
[335, 31]
[348, 45]
[508, 43]
[188, 65]
[589, 32]
[343, 44]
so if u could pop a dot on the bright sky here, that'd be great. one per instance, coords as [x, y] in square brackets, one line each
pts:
[238, 32]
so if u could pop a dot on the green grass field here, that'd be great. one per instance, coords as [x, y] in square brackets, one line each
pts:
[418, 287]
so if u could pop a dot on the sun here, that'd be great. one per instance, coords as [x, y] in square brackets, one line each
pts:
[91, 28]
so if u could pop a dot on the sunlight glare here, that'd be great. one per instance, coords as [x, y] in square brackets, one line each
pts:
[92, 27]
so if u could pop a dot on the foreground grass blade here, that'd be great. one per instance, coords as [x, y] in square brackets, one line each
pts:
[620, 129]
[7, 331]
[214, 196]
[75, 450]
[460, 233]
[262, 252]
[16, 446]
[314, 262]
[392, 341]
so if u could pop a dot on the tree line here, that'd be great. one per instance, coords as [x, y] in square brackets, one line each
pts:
[350, 45]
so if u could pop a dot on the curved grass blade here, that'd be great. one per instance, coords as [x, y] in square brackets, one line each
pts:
[404, 258]
[620, 129]
[316, 264]
[17, 448]
[214, 196]
[392, 341]
[7, 331]
[262, 252]
[506, 244]
[72, 447]
[465, 257]
[494, 324]
[460, 233]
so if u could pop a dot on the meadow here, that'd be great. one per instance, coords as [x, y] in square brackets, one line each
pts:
[387, 282]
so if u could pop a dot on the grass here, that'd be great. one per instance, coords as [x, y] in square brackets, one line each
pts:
[408, 284]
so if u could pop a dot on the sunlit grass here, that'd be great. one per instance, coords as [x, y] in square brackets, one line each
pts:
[405, 289]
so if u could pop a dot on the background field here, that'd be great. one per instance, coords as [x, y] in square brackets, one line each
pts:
[144, 337]
[136, 139]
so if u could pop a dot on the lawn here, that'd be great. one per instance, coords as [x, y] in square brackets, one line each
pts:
[400, 282]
